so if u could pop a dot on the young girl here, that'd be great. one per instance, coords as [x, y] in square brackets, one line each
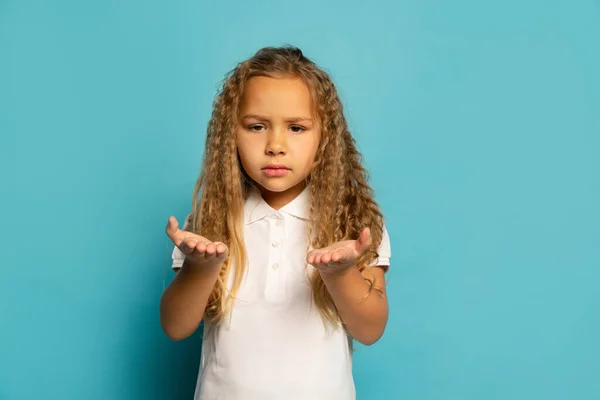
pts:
[285, 251]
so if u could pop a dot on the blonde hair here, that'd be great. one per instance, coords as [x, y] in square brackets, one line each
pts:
[342, 202]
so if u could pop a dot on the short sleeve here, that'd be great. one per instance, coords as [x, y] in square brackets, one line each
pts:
[384, 251]
[178, 258]
[177, 255]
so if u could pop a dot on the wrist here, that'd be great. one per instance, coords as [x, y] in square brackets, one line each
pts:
[338, 273]
[203, 267]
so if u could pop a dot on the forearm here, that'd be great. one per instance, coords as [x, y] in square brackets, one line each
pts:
[184, 301]
[362, 308]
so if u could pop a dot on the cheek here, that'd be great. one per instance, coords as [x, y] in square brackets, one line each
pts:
[314, 146]
[306, 151]
[243, 148]
[242, 154]
[249, 153]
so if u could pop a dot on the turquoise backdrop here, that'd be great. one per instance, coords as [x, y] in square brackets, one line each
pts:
[478, 120]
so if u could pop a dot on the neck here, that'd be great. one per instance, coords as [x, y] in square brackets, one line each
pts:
[276, 200]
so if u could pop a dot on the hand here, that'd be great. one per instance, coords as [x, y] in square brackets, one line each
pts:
[340, 256]
[199, 250]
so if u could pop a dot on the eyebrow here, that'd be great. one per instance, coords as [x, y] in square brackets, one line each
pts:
[263, 118]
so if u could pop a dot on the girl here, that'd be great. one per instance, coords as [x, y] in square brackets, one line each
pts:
[284, 253]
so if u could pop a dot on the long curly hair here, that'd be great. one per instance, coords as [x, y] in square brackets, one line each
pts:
[342, 201]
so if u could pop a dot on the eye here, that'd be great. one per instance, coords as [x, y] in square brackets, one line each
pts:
[256, 128]
[297, 128]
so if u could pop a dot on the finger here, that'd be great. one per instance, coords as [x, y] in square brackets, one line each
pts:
[364, 240]
[187, 246]
[201, 247]
[337, 256]
[319, 258]
[325, 258]
[172, 229]
[220, 248]
[210, 249]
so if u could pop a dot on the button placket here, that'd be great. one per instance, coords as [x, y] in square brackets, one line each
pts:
[274, 284]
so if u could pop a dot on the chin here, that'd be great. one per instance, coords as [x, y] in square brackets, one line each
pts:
[275, 187]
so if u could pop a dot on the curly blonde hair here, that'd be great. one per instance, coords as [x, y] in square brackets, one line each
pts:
[342, 202]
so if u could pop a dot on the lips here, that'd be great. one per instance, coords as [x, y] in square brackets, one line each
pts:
[276, 167]
[275, 170]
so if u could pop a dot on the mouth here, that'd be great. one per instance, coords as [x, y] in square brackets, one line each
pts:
[276, 167]
[275, 170]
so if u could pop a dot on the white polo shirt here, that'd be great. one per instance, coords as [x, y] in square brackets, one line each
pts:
[275, 346]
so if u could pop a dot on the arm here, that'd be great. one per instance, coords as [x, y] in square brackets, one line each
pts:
[360, 297]
[361, 301]
[183, 303]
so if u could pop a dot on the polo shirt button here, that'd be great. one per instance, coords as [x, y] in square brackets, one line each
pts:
[275, 266]
[278, 222]
[275, 243]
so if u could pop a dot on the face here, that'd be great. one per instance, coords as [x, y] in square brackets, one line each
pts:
[277, 136]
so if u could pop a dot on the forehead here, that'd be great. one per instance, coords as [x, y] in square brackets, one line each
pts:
[284, 97]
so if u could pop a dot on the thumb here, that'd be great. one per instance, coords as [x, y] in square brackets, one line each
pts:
[172, 229]
[364, 240]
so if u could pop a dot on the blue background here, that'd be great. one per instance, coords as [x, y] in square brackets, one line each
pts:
[478, 120]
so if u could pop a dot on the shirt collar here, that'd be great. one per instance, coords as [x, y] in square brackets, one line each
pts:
[256, 208]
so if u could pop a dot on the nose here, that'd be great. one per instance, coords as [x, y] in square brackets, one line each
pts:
[276, 143]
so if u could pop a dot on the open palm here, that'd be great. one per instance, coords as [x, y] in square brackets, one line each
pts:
[340, 255]
[198, 249]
